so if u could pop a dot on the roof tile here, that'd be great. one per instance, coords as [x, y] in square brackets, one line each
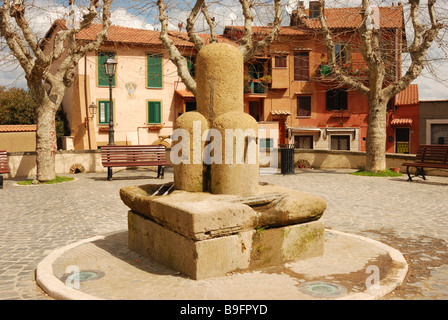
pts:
[18, 128]
[408, 96]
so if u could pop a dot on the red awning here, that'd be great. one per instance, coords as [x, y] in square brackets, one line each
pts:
[401, 122]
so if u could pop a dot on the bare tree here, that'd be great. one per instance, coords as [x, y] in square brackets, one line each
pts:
[380, 88]
[248, 46]
[48, 86]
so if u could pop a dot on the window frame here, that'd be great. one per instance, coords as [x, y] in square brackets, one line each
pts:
[342, 101]
[191, 63]
[160, 123]
[271, 143]
[304, 136]
[340, 136]
[148, 78]
[284, 58]
[298, 105]
[107, 101]
[302, 75]
[102, 74]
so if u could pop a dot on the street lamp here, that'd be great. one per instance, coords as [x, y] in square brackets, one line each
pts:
[111, 67]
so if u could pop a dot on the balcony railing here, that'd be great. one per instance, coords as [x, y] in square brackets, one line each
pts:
[256, 86]
[357, 69]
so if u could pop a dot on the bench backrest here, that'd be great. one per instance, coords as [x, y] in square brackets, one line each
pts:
[4, 162]
[433, 153]
[133, 153]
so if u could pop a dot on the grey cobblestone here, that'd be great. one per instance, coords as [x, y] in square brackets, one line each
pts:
[411, 217]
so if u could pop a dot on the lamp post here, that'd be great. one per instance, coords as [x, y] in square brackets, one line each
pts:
[111, 66]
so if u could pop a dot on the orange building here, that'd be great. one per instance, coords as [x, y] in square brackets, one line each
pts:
[290, 85]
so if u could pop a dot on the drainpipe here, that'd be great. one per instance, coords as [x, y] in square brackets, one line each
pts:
[86, 101]
[138, 136]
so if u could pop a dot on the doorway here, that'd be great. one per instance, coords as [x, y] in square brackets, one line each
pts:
[402, 139]
[256, 110]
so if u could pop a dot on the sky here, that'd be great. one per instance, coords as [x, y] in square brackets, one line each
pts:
[141, 14]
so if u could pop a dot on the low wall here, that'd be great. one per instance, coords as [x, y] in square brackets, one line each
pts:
[329, 159]
[23, 164]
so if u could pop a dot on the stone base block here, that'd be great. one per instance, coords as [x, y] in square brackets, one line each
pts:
[200, 259]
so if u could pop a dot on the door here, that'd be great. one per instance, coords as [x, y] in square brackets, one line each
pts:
[402, 140]
[256, 110]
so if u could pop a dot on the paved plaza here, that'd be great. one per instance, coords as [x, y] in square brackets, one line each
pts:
[410, 217]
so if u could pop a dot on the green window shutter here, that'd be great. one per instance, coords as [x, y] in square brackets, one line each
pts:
[154, 112]
[103, 79]
[103, 112]
[191, 61]
[154, 72]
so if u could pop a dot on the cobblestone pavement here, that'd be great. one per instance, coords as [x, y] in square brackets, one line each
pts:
[411, 217]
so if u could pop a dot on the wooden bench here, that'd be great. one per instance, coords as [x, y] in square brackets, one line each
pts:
[428, 156]
[3, 166]
[133, 156]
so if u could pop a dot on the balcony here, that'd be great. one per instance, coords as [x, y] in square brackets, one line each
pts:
[355, 69]
[257, 86]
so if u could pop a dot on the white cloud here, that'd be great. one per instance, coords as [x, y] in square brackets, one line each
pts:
[120, 17]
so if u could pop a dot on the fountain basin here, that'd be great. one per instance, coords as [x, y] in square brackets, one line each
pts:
[206, 235]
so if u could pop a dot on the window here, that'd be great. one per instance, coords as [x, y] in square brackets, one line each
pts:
[154, 112]
[439, 133]
[154, 71]
[340, 142]
[190, 106]
[280, 61]
[301, 66]
[337, 99]
[256, 70]
[266, 143]
[314, 9]
[103, 112]
[342, 52]
[103, 79]
[304, 106]
[191, 63]
[303, 142]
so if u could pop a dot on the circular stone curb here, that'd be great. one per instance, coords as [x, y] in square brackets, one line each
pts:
[56, 289]
[394, 278]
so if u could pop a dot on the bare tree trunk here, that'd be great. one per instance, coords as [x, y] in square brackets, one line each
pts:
[48, 88]
[46, 141]
[376, 136]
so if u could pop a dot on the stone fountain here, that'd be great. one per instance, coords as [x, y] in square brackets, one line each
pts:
[216, 217]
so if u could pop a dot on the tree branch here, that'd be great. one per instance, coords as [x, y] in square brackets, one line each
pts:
[422, 41]
[339, 75]
[175, 56]
[13, 41]
[210, 23]
[194, 38]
